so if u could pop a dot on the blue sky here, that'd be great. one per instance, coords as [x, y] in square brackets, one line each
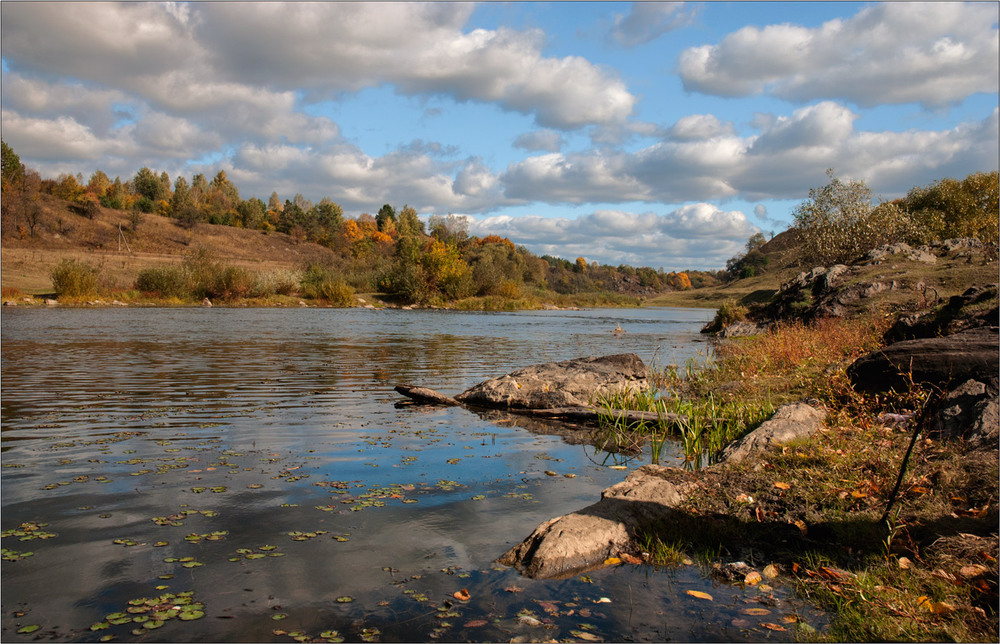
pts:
[658, 134]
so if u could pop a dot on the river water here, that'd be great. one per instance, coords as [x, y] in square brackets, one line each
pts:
[253, 465]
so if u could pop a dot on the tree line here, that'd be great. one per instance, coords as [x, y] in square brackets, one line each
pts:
[393, 251]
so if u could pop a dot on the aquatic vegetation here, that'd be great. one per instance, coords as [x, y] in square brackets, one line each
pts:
[13, 555]
[28, 531]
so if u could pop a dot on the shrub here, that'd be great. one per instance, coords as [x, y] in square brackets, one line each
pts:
[170, 281]
[232, 283]
[277, 282]
[729, 312]
[320, 283]
[74, 278]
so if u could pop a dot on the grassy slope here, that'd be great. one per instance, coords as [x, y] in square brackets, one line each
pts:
[27, 263]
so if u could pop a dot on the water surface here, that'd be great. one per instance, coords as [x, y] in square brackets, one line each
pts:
[135, 434]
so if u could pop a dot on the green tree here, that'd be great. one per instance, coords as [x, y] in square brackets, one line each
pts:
[408, 223]
[386, 219]
[838, 223]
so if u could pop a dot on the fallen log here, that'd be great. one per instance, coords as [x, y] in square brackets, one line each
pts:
[426, 396]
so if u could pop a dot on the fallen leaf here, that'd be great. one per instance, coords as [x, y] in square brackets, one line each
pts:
[801, 525]
[513, 589]
[905, 563]
[773, 627]
[602, 600]
[760, 514]
[919, 490]
[617, 467]
[699, 594]
[739, 622]
[612, 561]
[463, 595]
[940, 608]
[781, 485]
[755, 611]
[790, 619]
[974, 570]
[476, 623]
[771, 571]
[630, 559]
[585, 636]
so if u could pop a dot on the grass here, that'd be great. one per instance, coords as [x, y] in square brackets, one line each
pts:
[815, 507]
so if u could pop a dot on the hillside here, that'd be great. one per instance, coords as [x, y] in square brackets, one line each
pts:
[26, 263]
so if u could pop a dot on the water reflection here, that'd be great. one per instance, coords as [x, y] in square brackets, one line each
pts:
[261, 423]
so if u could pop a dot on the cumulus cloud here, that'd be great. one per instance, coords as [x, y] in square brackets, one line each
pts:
[647, 21]
[540, 140]
[781, 160]
[699, 236]
[935, 54]
[699, 127]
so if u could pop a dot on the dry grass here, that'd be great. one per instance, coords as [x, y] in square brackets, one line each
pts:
[816, 506]
[158, 241]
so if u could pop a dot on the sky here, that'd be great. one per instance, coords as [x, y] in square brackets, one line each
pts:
[649, 134]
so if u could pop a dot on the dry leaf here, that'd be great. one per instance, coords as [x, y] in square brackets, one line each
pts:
[858, 495]
[476, 623]
[760, 514]
[462, 595]
[744, 498]
[699, 594]
[513, 589]
[974, 570]
[739, 622]
[752, 579]
[919, 490]
[630, 559]
[939, 608]
[755, 611]
[790, 619]
[801, 525]
[905, 563]
[585, 636]
[773, 627]
[612, 561]
[782, 486]
[771, 571]
[602, 600]
[617, 467]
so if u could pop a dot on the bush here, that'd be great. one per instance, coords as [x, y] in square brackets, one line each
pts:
[321, 284]
[231, 283]
[74, 278]
[277, 282]
[729, 312]
[170, 281]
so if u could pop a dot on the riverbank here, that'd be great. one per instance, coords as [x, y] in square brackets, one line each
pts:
[910, 558]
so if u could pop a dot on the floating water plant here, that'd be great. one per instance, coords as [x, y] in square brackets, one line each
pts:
[28, 531]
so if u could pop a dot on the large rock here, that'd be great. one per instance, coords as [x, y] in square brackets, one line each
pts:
[560, 384]
[969, 355]
[584, 539]
[970, 412]
[797, 420]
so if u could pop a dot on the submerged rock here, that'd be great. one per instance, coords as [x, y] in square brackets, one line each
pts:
[571, 383]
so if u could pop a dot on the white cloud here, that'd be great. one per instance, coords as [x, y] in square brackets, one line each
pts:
[699, 127]
[935, 54]
[540, 141]
[647, 21]
[696, 236]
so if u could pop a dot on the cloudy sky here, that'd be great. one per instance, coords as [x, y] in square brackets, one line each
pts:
[657, 134]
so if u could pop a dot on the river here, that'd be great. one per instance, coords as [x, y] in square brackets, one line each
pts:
[253, 466]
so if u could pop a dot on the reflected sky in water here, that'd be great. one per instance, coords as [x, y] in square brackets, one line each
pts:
[280, 421]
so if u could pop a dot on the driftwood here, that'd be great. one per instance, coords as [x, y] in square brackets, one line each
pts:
[426, 396]
[579, 413]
